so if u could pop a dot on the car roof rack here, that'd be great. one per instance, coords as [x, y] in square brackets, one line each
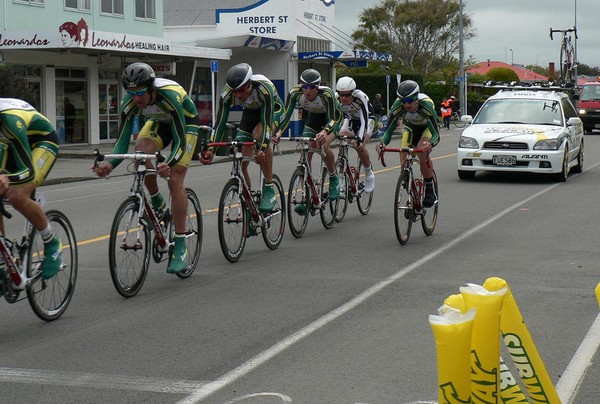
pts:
[535, 85]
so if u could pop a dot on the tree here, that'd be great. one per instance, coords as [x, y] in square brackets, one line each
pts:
[421, 35]
[503, 74]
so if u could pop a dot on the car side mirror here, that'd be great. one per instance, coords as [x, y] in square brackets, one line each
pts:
[466, 118]
[574, 120]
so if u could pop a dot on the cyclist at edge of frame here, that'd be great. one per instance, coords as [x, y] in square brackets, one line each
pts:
[170, 116]
[262, 109]
[322, 115]
[421, 130]
[28, 150]
[358, 109]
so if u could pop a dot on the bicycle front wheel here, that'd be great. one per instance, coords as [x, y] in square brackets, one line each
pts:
[363, 199]
[129, 248]
[50, 298]
[298, 203]
[274, 222]
[457, 121]
[429, 215]
[232, 222]
[193, 233]
[343, 200]
[328, 207]
[403, 209]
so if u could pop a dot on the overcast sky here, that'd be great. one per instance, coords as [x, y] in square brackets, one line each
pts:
[520, 25]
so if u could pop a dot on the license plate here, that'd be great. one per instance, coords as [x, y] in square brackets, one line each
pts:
[504, 160]
[597, 125]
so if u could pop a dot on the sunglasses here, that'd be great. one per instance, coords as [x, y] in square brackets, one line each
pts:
[241, 89]
[137, 93]
[409, 100]
[308, 87]
[345, 94]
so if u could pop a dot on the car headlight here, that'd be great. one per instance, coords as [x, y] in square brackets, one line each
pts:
[547, 144]
[466, 142]
[582, 111]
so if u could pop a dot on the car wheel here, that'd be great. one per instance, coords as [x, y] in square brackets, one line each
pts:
[466, 175]
[579, 167]
[564, 172]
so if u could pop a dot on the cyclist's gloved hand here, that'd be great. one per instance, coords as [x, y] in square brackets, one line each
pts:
[103, 169]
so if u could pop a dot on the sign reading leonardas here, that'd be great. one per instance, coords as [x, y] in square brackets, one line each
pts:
[73, 36]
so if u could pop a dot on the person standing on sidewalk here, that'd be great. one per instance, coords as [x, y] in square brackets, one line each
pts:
[171, 116]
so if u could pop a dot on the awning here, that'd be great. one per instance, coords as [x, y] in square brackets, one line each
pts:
[343, 56]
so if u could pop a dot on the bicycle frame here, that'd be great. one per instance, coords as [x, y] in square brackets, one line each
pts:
[303, 162]
[237, 155]
[350, 171]
[417, 187]
[138, 190]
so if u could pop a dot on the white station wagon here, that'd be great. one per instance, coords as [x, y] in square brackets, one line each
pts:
[523, 129]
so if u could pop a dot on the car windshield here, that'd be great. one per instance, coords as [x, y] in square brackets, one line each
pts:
[589, 93]
[525, 111]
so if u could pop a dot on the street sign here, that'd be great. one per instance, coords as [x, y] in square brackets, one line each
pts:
[214, 66]
[387, 79]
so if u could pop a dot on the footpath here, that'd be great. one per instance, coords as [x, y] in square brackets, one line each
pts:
[74, 162]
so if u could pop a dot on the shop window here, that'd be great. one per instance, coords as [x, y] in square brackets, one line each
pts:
[79, 5]
[114, 7]
[30, 2]
[145, 9]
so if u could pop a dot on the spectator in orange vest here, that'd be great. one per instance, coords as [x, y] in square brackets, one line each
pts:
[446, 110]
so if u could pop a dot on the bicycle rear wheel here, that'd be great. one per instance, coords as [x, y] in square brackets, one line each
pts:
[329, 207]
[343, 200]
[363, 199]
[193, 233]
[50, 298]
[403, 209]
[129, 248]
[429, 215]
[232, 222]
[298, 203]
[274, 222]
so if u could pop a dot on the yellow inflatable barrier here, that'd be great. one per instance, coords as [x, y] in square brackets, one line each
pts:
[485, 341]
[522, 349]
[452, 332]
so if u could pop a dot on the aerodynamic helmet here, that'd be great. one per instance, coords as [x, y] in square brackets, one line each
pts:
[138, 74]
[310, 77]
[345, 84]
[408, 91]
[238, 76]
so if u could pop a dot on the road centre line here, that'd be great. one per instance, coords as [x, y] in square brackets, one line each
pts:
[212, 387]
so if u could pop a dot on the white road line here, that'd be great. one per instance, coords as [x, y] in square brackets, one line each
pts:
[95, 380]
[263, 357]
[571, 379]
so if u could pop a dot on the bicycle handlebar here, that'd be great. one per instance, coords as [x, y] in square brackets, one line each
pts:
[409, 150]
[232, 143]
[137, 156]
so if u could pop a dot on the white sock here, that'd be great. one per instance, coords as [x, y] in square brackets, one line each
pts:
[47, 234]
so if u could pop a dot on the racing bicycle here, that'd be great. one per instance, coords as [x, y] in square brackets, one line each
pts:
[410, 191]
[352, 187]
[239, 216]
[131, 244]
[567, 55]
[308, 195]
[22, 259]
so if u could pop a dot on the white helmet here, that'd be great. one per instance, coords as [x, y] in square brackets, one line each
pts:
[345, 84]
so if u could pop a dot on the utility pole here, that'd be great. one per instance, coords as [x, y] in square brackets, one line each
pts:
[462, 94]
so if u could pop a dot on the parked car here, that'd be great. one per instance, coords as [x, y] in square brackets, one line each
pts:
[523, 129]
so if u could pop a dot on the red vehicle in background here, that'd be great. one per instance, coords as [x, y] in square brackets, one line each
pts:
[588, 106]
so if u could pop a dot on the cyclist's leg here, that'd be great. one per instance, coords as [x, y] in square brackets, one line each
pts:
[363, 156]
[179, 200]
[426, 165]
[150, 139]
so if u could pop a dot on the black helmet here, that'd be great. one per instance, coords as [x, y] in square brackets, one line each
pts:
[138, 74]
[310, 77]
[238, 75]
[408, 89]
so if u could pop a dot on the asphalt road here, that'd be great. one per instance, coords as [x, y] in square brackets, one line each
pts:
[337, 316]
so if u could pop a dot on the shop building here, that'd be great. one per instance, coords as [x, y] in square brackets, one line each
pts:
[72, 53]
